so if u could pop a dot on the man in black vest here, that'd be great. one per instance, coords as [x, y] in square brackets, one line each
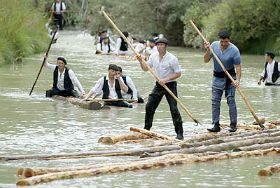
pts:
[58, 8]
[111, 86]
[271, 72]
[64, 80]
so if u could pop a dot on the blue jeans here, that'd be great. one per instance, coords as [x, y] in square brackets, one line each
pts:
[218, 86]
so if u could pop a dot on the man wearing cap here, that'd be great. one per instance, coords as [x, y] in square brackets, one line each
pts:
[229, 55]
[58, 8]
[271, 73]
[166, 67]
[111, 85]
[151, 48]
[104, 47]
[64, 80]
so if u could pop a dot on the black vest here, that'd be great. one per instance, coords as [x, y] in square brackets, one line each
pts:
[109, 50]
[275, 74]
[106, 90]
[68, 85]
[54, 8]
[124, 46]
[129, 89]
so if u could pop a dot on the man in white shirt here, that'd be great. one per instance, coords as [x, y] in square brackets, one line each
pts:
[166, 67]
[104, 47]
[132, 92]
[58, 8]
[121, 45]
[151, 48]
[271, 73]
[111, 85]
[64, 80]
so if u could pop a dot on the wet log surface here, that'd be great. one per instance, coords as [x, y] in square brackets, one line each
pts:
[270, 170]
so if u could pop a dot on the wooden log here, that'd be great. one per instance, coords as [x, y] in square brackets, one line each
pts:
[270, 170]
[159, 162]
[233, 145]
[121, 138]
[90, 105]
[151, 134]
[276, 122]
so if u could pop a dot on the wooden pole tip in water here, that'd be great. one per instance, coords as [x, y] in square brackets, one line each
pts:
[264, 172]
[105, 140]
[28, 172]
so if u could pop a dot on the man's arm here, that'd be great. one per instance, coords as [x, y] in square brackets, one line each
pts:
[236, 83]
[124, 87]
[76, 82]
[132, 87]
[207, 55]
[142, 63]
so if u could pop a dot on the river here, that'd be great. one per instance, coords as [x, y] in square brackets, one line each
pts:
[38, 125]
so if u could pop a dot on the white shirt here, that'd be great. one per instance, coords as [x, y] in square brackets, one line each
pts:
[131, 85]
[97, 89]
[269, 69]
[60, 78]
[105, 48]
[168, 65]
[58, 8]
[149, 51]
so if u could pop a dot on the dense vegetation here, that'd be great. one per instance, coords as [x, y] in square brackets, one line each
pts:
[254, 24]
[22, 30]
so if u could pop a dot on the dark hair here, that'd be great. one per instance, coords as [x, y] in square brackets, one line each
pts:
[119, 69]
[62, 59]
[270, 54]
[125, 33]
[224, 35]
[113, 67]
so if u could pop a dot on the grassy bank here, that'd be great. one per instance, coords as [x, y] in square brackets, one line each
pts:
[22, 30]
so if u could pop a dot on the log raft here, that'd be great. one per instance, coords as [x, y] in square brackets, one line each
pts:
[159, 162]
[270, 170]
[90, 105]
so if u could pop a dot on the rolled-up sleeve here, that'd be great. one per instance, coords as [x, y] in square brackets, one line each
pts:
[75, 81]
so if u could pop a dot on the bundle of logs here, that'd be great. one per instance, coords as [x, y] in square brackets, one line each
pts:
[167, 152]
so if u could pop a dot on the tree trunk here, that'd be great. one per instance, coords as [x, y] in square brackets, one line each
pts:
[121, 138]
[168, 160]
[270, 170]
[151, 134]
[90, 105]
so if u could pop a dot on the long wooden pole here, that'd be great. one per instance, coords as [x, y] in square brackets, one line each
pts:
[43, 61]
[230, 77]
[151, 70]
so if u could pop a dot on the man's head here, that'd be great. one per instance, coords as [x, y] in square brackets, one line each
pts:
[61, 62]
[269, 56]
[224, 39]
[119, 71]
[162, 45]
[112, 70]
[152, 42]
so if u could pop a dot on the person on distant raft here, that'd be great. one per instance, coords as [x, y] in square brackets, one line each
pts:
[111, 85]
[229, 55]
[58, 8]
[121, 45]
[271, 73]
[104, 47]
[166, 67]
[64, 80]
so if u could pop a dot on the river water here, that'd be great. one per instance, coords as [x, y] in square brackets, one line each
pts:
[37, 125]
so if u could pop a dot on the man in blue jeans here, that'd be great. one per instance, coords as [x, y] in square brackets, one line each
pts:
[229, 55]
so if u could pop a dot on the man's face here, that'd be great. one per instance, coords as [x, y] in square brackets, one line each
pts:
[224, 43]
[112, 73]
[60, 64]
[161, 47]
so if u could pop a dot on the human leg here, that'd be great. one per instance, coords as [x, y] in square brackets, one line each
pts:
[216, 105]
[151, 106]
[230, 95]
[175, 114]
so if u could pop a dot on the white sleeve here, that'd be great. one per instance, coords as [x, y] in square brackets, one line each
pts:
[63, 6]
[263, 72]
[50, 66]
[97, 89]
[132, 87]
[118, 45]
[75, 81]
[98, 47]
[175, 65]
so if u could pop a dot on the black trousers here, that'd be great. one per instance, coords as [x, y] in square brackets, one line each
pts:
[58, 20]
[64, 93]
[118, 103]
[153, 102]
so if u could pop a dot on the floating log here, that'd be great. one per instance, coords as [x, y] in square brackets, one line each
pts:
[168, 160]
[121, 138]
[270, 170]
[90, 105]
[151, 134]
[276, 122]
